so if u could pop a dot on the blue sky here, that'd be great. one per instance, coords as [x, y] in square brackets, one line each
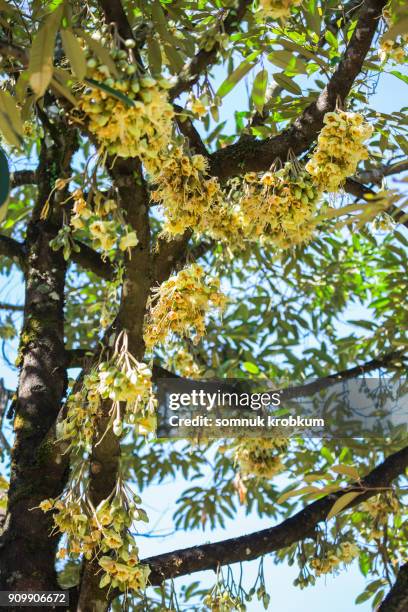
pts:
[334, 593]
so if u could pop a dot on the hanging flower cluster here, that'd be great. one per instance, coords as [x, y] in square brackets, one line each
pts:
[191, 199]
[183, 362]
[139, 127]
[393, 49]
[223, 601]
[78, 427]
[179, 305]
[198, 106]
[278, 8]
[122, 380]
[103, 531]
[332, 557]
[183, 190]
[379, 509]
[260, 457]
[92, 216]
[277, 207]
[339, 149]
[104, 232]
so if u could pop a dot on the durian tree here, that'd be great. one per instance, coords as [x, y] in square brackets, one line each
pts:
[159, 230]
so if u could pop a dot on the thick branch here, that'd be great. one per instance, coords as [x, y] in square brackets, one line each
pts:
[259, 155]
[188, 130]
[397, 598]
[376, 175]
[23, 177]
[114, 13]
[253, 545]
[11, 307]
[325, 382]
[13, 249]
[170, 255]
[91, 260]
[27, 558]
[7, 49]
[104, 459]
[361, 192]
[192, 71]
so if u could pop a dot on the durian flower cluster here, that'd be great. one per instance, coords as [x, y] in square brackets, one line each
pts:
[395, 50]
[197, 106]
[223, 601]
[128, 381]
[106, 233]
[123, 381]
[339, 149]
[332, 557]
[140, 127]
[278, 9]
[277, 207]
[183, 190]
[379, 508]
[183, 363]
[180, 304]
[190, 198]
[104, 532]
[83, 407]
[260, 457]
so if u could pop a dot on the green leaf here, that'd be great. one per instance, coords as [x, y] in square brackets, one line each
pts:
[297, 492]
[4, 184]
[74, 53]
[288, 61]
[250, 367]
[331, 39]
[63, 90]
[327, 454]
[399, 75]
[6, 8]
[154, 55]
[292, 46]
[174, 57]
[109, 90]
[259, 90]
[312, 16]
[10, 119]
[364, 563]
[363, 597]
[287, 83]
[235, 76]
[401, 27]
[101, 53]
[341, 503]
[378, 599]
[104, 581]
[169, 41]
[40, 66]
[347, 470]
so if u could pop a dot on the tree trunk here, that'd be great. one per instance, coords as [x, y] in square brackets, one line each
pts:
[27, 550]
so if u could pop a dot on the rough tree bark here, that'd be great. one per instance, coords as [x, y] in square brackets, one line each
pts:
[27, 553]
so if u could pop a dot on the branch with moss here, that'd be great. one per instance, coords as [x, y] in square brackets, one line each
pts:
[290, 531]
[247, 156]
[91, 260]
[397, 598]
[12, 249]
[23, 177]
